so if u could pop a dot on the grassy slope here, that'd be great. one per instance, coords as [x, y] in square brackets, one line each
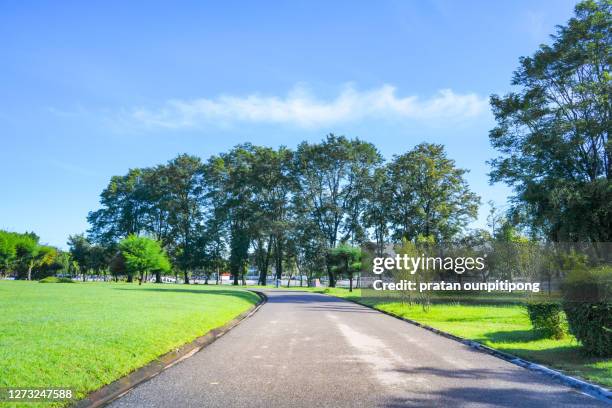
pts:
[503, 327]
[85, 335]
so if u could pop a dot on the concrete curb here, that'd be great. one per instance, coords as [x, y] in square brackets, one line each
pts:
[116, 389]
[593, 390]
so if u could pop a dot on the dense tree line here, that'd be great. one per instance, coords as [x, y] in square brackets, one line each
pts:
[283, 209]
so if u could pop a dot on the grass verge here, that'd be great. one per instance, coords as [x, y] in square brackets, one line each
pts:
[83, 336]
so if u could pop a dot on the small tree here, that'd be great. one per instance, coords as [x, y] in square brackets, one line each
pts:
[27, 251]
[143, 255]
[346, 259]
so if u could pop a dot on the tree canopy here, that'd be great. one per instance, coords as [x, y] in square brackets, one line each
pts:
[272, 209]
[553, 132]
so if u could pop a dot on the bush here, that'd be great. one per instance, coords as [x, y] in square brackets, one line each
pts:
[55, 279]
[546, 317]
[587, 302]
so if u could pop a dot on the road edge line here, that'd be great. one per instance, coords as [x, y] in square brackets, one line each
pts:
[596, 391]
[110, 392]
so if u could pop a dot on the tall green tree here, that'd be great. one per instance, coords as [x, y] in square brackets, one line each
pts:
[123, 209]
[430, 196]
[185, 198]
[553, 132]
[377, 214]
[273, 187]
[157, 202]
[331, 175]
[229, 176]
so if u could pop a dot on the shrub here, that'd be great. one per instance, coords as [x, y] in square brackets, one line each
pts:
[55, 279]
[546, 318]
[587, 302]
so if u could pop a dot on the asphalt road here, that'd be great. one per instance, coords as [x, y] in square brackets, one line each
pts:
[309, 350]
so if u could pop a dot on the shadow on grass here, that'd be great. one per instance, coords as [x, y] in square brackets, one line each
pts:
[242, 294]
[512, 336]
[569, 358]
[568, 355]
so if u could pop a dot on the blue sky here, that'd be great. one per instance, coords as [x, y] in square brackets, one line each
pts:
[88, 90]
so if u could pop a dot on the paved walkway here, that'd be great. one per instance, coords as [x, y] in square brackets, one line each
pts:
[309, 350]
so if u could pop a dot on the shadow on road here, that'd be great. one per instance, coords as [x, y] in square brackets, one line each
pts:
[471, 373]
[317, 302]
[480, 396]
[502, 397]
[342, 309]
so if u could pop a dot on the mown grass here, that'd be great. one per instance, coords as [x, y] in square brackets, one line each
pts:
[504, 326]
[85, 335]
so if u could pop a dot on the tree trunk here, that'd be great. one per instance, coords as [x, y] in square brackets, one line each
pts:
[30, 272]
[330, 275]
[186, 275]
[279, 264]
[130, 278]
[350, 274]
[263, 273]
[158, 277]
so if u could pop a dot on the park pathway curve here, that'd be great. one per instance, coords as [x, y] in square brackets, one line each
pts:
[310, 350]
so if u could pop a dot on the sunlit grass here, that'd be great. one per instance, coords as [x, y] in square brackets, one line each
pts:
[85, 335]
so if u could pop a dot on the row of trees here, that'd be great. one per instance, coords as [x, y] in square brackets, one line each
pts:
[22, 256]
[281, 208]
[273, 208]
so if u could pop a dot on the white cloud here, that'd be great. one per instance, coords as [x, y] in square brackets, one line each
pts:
[301, 108]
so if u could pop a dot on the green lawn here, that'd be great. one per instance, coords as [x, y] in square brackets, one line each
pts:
[505, 327]
[85, 335]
